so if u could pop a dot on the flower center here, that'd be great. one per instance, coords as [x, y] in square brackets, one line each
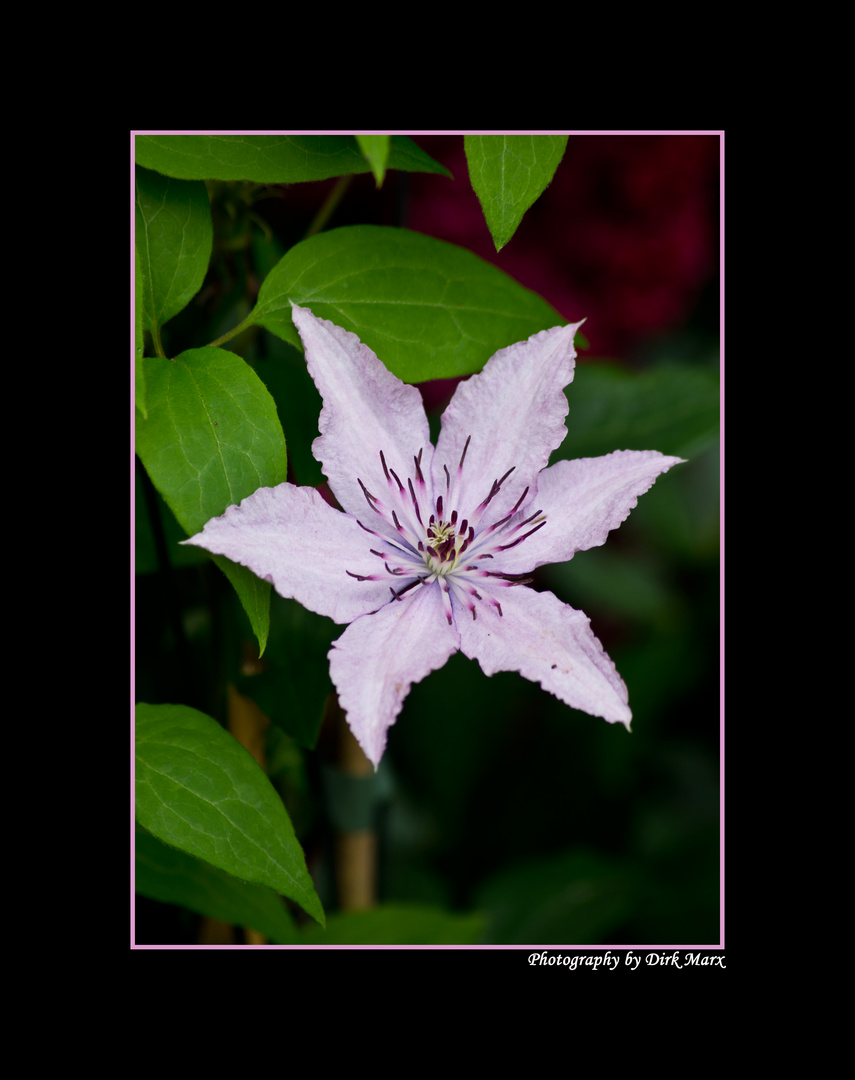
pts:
[445, 551]
[446, 541]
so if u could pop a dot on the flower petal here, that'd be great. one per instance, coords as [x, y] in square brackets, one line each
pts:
[290, 537]
[514, 411]
[583, 500]
[366, 410]
[377, 659]
[550, 643]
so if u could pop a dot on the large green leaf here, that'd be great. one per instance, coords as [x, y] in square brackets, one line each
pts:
[199, 790]
[174, 877]
[211, 438]
[508, 173]
[174, 236]
[272, 159]
[428, 309]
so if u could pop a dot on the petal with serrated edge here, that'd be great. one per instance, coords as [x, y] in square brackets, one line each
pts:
[377, 659]
[583, 500]
[549, 643]
[290, 537]
[366, 410]
[514, 411]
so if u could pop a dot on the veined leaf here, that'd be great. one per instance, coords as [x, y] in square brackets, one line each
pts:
[211, 438]
[174, 877]
[199, 790]
[174, 237]
[508, 173]
[428, 309]
[272, 159]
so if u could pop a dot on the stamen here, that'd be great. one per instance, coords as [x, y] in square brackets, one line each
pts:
[463, 455]
[369, 498]
[519, 539]
[446, 600]
[406, 588]
[418, 461]
[415, 501]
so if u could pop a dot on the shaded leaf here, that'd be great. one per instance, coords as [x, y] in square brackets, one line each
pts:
[574, 898]
[428, 309]
[173, 877]
[508, 173]
[398, 924]
[139, 376]
[199, 790]
[673, 408]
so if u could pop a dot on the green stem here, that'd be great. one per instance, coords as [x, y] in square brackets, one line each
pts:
[158, 345]
[247, 322]
[332, 200]
[321, 218]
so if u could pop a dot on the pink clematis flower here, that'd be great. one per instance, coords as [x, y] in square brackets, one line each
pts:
[429, 554]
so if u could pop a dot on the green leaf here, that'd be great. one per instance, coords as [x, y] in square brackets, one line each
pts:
[508, 173]
[272, 159]
[199, 790]
[375, 149]
[428, 309]
[398, 924]
[211, 438]
[673, 408]
[139, 376]
[174, 237]
[173, 877]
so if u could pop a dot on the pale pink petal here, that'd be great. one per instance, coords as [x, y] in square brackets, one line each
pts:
[367, 410]
[582, 501]
[514, 411]
[550, 643]
[290, 537]
[378, 658]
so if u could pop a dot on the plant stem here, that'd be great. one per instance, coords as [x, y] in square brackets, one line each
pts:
[332, 200]
[247, 322]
